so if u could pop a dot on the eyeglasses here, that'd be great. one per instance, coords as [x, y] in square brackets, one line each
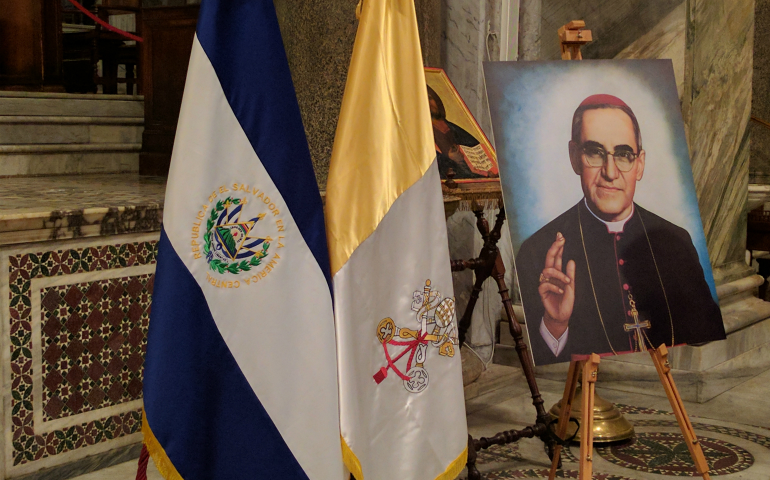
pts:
[596, 156]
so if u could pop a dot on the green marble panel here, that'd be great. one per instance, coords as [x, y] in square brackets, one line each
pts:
[716, 105]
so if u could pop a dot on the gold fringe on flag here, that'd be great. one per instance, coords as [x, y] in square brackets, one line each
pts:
[162, 462]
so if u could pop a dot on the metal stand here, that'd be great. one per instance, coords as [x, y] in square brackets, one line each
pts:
[488, 264]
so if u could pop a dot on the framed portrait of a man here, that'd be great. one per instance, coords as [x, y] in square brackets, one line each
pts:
[460, 143]
[608, 242]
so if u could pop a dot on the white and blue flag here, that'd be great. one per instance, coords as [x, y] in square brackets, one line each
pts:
[240, 376]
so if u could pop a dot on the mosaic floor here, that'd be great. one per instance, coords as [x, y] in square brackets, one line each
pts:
[733, 450]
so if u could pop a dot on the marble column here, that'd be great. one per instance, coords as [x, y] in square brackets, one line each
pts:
[529, 29]
[716, 106]
[471, 32]
[318, 37]
[710, 45]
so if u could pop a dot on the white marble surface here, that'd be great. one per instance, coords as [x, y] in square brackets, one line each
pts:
[55, 134]
[124, 471]
[43, 208]
[70, 163]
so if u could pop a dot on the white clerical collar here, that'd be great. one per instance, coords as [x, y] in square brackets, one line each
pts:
[612, 227]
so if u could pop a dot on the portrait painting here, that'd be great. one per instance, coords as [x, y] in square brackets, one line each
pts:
[597, 184]
[461, 145]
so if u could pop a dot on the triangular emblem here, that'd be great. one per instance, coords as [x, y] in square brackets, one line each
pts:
[232, 236]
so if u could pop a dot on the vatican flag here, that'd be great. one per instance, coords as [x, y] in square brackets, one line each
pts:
[401, 395]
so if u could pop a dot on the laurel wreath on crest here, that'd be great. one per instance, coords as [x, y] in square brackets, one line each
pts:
[208, 239]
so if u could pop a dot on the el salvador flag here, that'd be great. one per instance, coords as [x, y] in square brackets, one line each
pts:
[240, 376]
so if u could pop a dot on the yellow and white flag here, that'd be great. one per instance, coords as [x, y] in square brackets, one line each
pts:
[401, 395]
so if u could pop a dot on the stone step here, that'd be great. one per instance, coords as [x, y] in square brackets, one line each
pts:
[63, 104]
[30, 130]
[738, 290]
[59, 159]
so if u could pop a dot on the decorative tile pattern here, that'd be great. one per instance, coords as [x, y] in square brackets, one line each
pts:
[543, 473]
[666, 453]
[499, 453]
[733, 432]
[632, 410]
[27, 445]
[94, 337]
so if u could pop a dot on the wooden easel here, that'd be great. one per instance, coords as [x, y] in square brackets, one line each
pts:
[572, 36]
[590, 367]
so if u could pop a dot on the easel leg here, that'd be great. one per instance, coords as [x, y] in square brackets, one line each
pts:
[473, 472]
[660, 358]
[566, 409]
[489, 263]
[590, 369]
[498, 272]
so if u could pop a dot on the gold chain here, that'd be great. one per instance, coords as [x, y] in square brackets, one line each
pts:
[670, 317]
[591, 278]
[593, 289]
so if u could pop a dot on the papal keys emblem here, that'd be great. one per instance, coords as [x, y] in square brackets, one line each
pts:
[436, 327]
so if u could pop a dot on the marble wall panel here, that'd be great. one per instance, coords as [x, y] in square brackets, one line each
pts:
[74, 325]
[615, 24]
[530, 23]
[319, 37]
[760, 107]
[716, 107]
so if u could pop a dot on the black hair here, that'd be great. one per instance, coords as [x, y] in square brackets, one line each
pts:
[577, 121]
[439, 104]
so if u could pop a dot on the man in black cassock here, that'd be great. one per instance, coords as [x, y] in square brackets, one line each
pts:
[607, 274]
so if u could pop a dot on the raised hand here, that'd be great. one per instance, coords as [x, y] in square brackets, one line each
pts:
[557, 288]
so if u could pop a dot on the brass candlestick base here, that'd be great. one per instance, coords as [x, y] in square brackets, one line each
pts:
[609, 424]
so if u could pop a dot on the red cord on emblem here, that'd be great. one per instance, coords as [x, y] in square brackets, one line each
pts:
[383, 372]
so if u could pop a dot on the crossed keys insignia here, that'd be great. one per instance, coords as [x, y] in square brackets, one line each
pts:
[436, 327]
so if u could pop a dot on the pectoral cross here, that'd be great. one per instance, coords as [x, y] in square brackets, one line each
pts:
[637, 326]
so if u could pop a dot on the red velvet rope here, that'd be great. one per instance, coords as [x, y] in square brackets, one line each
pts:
[144, 459]
[103, 23]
